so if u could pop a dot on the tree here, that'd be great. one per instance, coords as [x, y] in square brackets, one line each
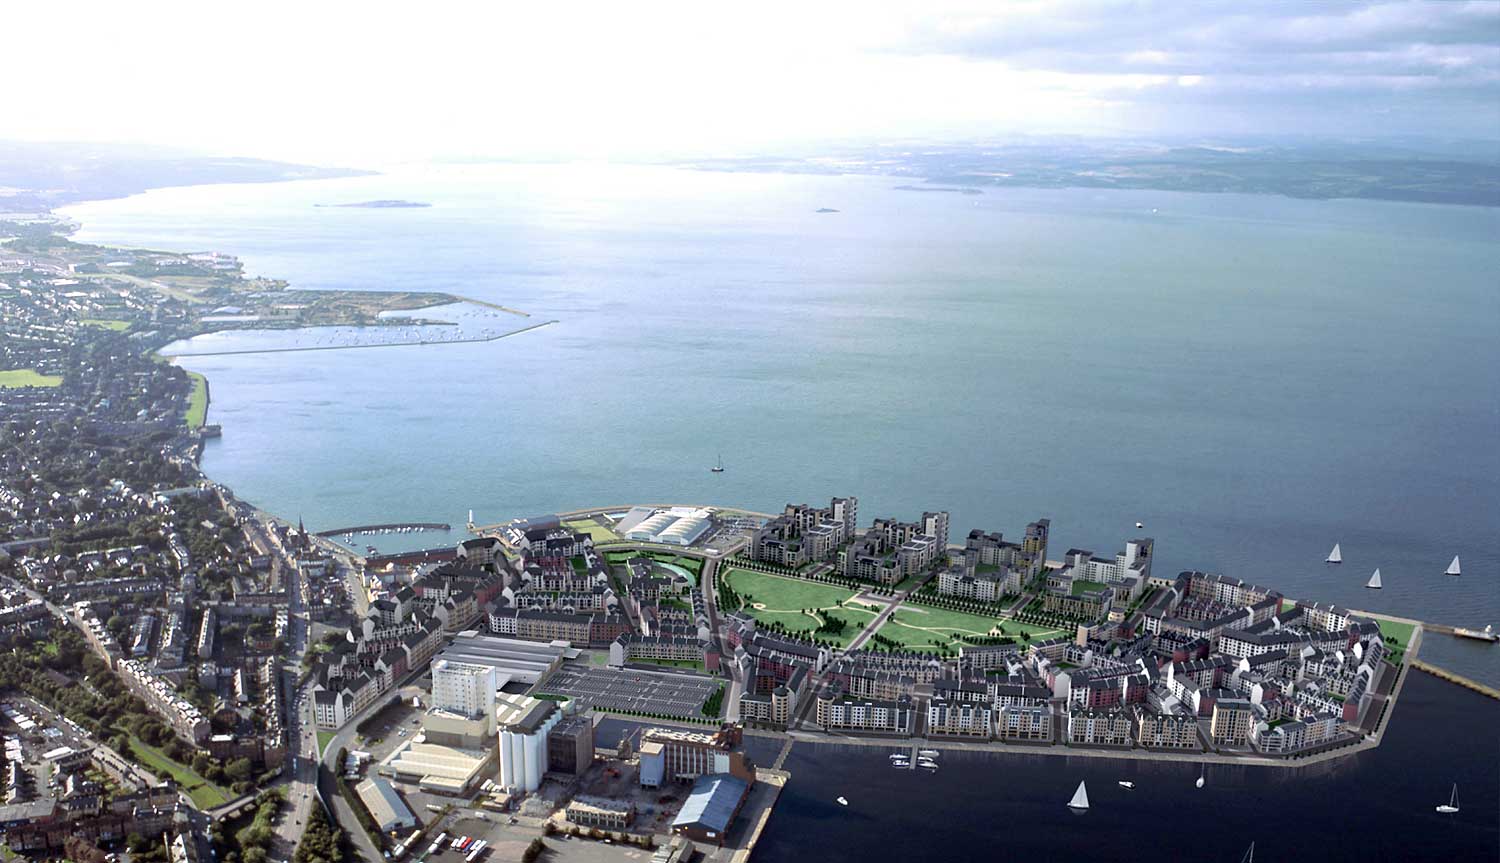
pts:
[239, 770]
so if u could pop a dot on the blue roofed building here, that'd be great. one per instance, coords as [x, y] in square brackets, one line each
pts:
[711, 807]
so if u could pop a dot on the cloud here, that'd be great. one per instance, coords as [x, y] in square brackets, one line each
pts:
[1337, 56]
[368, 82]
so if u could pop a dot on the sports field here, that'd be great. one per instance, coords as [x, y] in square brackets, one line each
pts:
[16, 378]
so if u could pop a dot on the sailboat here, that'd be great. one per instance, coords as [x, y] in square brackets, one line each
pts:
[718, 468]
[1249, 855]
[1453, 568]
[1452, 805]
[1335, 556]
[1202, 777]
[1080, 801]
[1374, 582]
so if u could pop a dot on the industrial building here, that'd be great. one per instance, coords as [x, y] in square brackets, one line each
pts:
[570, 746]
[385, 805]
[514, 660]
[438, 768]
[524, 723]
[711, 808]
[684, 756]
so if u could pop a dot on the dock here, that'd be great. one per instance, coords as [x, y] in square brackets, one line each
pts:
[377, 528]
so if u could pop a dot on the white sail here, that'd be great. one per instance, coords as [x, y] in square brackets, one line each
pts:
[1335, 556]
[1080, 798]
[1453, 568]
[1374, 582]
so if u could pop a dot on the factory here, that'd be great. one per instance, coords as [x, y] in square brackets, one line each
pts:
[524, 724]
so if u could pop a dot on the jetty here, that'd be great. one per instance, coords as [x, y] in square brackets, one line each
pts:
[1465, 682]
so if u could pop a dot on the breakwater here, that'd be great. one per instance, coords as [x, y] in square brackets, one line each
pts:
[1445, 674]
[418, 342]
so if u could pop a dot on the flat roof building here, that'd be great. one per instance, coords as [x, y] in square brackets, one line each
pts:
[512, 659]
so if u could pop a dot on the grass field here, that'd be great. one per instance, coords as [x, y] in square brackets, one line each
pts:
[197, 410]
[16, 378]
[1081, 586]
[323, 738]
[205, 794]
[917, 626]
[117, 326]
[1402, 632]
[785, 594]
[597, 531]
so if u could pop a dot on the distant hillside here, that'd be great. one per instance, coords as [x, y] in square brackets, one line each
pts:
[1301, 170]
[39, 176]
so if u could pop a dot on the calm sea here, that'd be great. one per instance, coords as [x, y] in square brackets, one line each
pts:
[1255, 378]
[1374, 806]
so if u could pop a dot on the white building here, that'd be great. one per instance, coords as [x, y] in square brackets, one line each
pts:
[465, 688]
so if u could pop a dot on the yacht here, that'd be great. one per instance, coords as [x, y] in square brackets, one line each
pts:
[1335, 556]
[1451, 806]
[1202, 777]
[842, 801]
[1374, 582]
[928, 753]
[1080, 801]
[1453, 568]
[1128, 786]
[718, 468]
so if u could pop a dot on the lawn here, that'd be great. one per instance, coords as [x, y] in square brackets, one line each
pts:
[1402, 632]
[197, 410]
[323, 738]
[594, 529]
[1081, 587]
[917, 626]
[16, 378]
[205, 794]
[784, 594]
[117, 326]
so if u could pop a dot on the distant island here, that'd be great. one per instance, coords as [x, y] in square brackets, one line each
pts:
[380, 205]
[826, 210]
[963, 190]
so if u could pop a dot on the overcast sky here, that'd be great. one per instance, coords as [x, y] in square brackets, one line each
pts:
[363, 83]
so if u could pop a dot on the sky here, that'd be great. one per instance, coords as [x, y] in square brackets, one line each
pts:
[373, 82]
